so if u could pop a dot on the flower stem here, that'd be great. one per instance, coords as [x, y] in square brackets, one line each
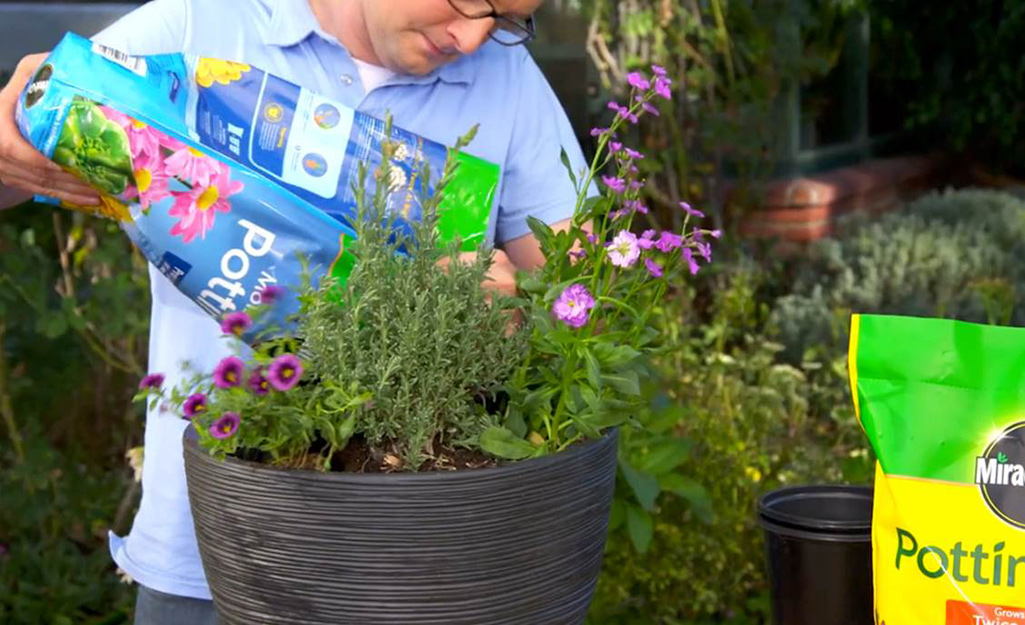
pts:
[5, 402]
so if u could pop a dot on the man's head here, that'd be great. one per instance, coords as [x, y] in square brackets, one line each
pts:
[417, 36]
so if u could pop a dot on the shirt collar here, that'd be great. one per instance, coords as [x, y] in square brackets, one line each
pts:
[292, 21]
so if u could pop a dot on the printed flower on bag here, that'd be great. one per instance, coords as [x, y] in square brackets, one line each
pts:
[143, 139]
[191, 166]
[152, 182]
[209, 71]
[196, 209]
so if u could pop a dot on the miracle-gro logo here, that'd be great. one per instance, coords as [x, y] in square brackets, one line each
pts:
[1000, 475]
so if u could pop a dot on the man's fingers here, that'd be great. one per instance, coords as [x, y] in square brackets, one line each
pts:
[89, 198]
[46, 178]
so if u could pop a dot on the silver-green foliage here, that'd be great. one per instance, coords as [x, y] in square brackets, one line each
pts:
[429, 344]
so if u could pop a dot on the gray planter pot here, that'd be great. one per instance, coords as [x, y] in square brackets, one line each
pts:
[516, 544]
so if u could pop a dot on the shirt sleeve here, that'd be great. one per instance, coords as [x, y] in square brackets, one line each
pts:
[157, 27]
[536, 181]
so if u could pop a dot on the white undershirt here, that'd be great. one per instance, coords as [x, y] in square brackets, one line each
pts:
[372, 76]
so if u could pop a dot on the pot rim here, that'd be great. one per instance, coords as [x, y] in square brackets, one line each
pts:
[190, 443]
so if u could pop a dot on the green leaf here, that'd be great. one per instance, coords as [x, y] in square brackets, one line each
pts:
[569, 168]
[615, 355]
[695, 494]
[644, 485]
[543, 232]
[625, 382]
[593, 370]
[640, 528]
[618, 514]
[516, 423]
[667, 455]
[502, 443]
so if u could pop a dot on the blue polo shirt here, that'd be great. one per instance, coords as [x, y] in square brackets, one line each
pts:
[522, 128]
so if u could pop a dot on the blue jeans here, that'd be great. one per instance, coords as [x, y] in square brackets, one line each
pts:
[157, 608]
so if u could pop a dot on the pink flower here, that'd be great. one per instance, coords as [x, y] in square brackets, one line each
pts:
[648, 108]
[153, 380]
[615, 146]
[617, 185]
[143, 140]
[152, 182]
[573, 306]
[658, 70]
[635, 80]
[716, 234]
[192, 166]
[662, 87]
[624, 249]
[258, 382]
[647, 240]
[228, 372]
[632, 154]
[691, 263]
[271, 293]
[226, 426]
[653, 268]
[195, 405]
[197, 209]
[597, 132]
[669, 241]
[691, 211]
[285, 372]
[236, 323]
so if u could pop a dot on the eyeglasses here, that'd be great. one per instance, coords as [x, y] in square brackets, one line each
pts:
[509, 31]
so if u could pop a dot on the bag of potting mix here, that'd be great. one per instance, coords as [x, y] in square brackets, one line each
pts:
[943, 403]
[224, 176]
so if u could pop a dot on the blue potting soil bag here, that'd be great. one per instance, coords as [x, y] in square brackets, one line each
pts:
[224, 175]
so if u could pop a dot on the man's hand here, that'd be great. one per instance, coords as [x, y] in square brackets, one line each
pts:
[501, 276]
[21, 165]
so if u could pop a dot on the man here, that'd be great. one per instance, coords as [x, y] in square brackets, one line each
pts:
[438, 66]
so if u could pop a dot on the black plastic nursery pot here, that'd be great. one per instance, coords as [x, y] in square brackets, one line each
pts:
[518, 544]
[819, 545]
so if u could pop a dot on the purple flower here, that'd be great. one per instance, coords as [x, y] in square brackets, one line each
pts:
[624, 250]
[691, 263]
[647, 240]
[635, 80]
[615, 184]
[271, 293]
[669, 241]
[614, 106]
[633, 154]
[662, 87]
[691, 211]
[258, 382]
[716, 234]
[228, 372]
[659, 71]
[615, 146]
[653, 268]
[597, 132]
[195, 405]
[636, 185]
[705, 249]
[226, 426]
[591, 238]
[620, 213]
[573, 306]
[649, 108]
[285, 372]
[236, 323]
[577, 254]
[635, 206]
[153, 380]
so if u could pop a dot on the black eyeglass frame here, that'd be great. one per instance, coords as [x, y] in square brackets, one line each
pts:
[527, 29]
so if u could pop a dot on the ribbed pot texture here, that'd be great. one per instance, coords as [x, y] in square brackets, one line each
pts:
[518, 544]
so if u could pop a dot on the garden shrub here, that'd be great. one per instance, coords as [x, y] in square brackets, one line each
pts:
[949, 254]
[753, 424]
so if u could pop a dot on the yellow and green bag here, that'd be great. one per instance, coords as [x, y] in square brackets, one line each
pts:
[943, 403]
